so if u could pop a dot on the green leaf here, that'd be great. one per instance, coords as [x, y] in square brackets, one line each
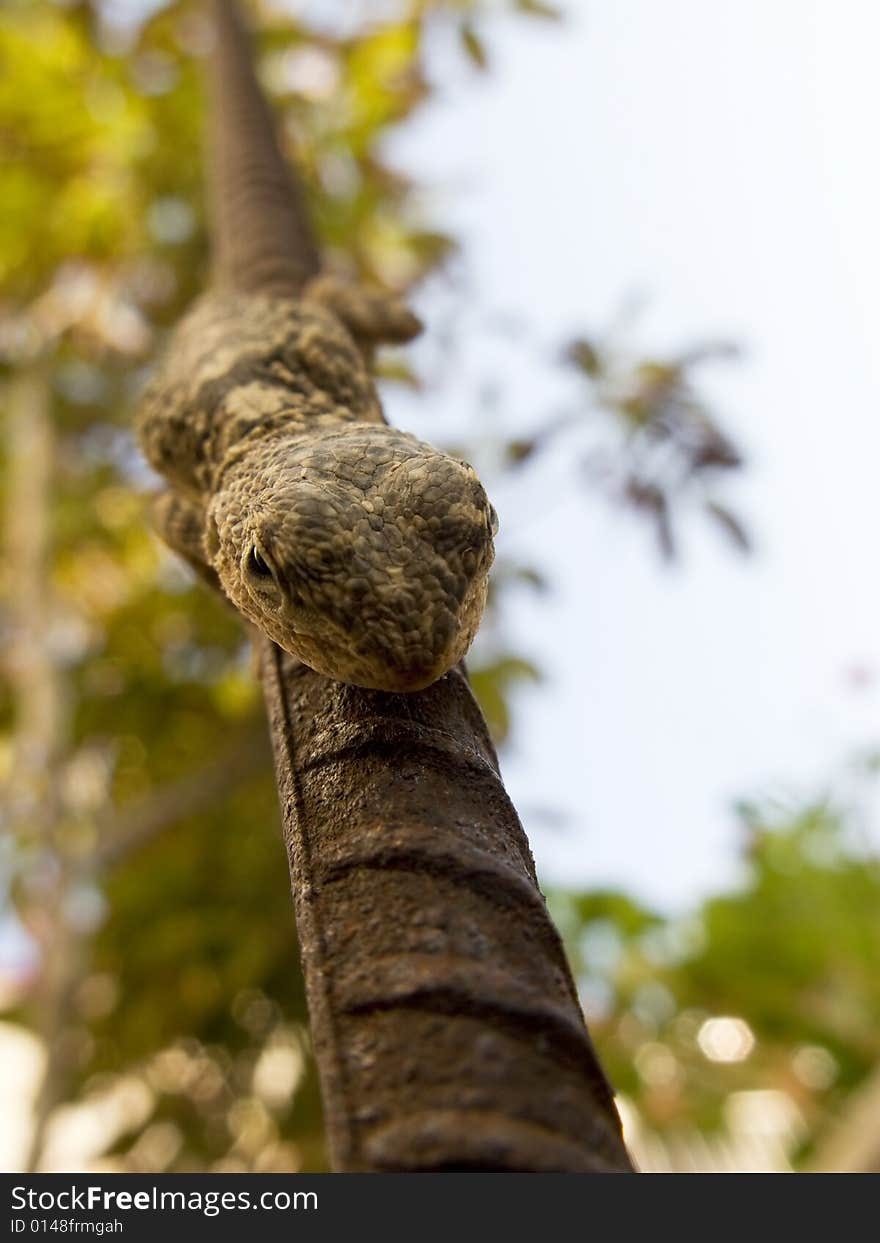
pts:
[492, 685]
[473, 46]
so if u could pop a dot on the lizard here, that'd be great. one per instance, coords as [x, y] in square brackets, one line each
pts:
[359, 549]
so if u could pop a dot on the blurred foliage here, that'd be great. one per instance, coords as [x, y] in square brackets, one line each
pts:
[771, 987]
[164, 973]
[660, 450]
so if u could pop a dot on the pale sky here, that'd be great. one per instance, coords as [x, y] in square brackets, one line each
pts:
[719, 159]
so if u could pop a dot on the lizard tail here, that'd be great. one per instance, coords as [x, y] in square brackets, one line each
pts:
[262, 242]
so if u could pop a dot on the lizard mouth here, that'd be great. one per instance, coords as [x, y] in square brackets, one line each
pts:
[406, 683]
[343, 664]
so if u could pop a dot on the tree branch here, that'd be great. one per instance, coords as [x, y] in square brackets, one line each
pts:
[444, 1018]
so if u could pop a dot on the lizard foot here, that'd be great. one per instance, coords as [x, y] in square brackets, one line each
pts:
[373, 318]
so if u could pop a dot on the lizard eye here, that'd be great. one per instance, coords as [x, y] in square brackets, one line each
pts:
[257, 565]
[493, 520]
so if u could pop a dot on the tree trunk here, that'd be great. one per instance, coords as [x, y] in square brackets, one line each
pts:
[40, 733]
[444, 1018]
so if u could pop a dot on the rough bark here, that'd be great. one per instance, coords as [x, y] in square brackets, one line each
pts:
[444, 1018]
[445, 1022]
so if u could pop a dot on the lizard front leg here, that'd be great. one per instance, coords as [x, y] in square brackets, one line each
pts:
[180, 523]
[372, 317]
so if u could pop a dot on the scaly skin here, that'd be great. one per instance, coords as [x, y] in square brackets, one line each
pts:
[359, 549]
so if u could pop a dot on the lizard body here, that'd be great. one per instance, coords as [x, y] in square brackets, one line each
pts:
[357, 548]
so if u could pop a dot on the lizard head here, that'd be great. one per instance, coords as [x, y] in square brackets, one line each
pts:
[363, 552]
